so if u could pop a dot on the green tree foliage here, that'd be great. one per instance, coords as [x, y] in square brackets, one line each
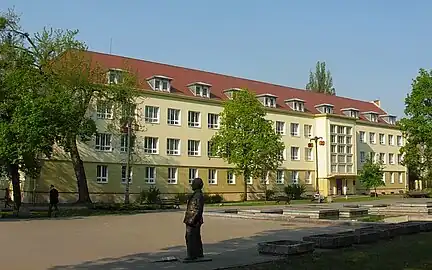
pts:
[321, 80]
[417, 126]
[246, 139]
[371, 174]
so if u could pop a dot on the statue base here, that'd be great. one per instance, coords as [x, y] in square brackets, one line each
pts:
[204, 259]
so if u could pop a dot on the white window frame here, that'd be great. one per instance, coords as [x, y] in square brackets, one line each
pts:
[362, 135]
[308, 177]
[294, 177]
[280, 177]
[102, 174]
[295, 129]
[280, 127]
[103, 142]
[194, 119]
[123, 174]
[249, 181]
[293, 150]
[392, 178]
[382, 158]
[270, 102]
[382, 138]
[213, 121]
[400, 178]
[399, 140]
[194, 144]
[362, 157]
[309, 154]
[151, 145]
[151, 114]
[399, 159]
[391, 158]
[104, 109]
[176, 144]
[307, 129]
[384, 177]
[372, 137]
[231, 178]
[212, 176]
[173, 117]
[124, 144]
[172, 176]
[202, 91]
[148, 177]
[390, 139]
[193, 173]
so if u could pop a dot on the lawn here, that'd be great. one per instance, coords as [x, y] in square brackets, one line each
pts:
[404, 253]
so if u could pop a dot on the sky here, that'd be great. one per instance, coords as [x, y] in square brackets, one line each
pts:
[374, 48]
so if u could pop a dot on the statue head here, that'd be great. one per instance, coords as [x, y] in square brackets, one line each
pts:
[197, 183]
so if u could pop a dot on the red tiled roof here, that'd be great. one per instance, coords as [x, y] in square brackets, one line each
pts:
[181, 77]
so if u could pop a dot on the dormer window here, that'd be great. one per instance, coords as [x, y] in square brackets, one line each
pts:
[200, 89]
[325, 108]
[296, 104]
[231, 91]
[371, 116]
[268, 100]
[115, 76]
[389, 119]
[351, 112]
[160, 83]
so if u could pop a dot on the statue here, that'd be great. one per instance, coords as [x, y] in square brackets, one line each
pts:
[193, 220]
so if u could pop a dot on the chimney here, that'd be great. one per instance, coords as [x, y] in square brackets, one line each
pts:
[377, 102]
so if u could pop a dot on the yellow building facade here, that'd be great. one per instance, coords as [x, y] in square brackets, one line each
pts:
[175, 127]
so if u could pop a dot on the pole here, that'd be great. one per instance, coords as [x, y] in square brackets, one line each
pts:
[316, 164]
[129, 146]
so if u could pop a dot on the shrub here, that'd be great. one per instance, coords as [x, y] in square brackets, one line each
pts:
[295, 191]
[182, 197]
[209, 199]
[150, 196]
[269, 194]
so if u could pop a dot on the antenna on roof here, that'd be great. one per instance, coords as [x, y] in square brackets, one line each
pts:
[110, 51]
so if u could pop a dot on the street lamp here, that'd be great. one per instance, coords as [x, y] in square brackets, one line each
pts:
[128, 129]
[315, 140]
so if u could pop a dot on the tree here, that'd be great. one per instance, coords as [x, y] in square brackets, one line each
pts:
[321, 80]
[75, 83]
[417, 126]
[371, 175]
[246, 139]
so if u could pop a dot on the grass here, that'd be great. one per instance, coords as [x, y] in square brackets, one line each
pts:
[404, 253]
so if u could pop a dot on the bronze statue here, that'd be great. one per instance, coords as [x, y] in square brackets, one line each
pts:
[193, 220]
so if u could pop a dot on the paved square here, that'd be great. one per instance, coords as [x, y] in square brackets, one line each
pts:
[132, 242]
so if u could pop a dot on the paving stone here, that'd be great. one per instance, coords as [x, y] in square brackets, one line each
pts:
[285, 247]
[331, 241]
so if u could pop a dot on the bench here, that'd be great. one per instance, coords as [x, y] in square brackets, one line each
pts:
[285, 199]
[169, 202]
[416, 194]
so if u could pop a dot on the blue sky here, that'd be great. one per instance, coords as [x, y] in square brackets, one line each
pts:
[373, 47]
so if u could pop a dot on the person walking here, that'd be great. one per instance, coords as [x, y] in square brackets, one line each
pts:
[53, 201]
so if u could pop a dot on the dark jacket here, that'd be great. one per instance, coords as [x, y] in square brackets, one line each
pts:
[54, 196]
[195, 209]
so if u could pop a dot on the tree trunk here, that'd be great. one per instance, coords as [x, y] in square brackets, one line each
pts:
[245, 192]
[83, 192]
[376, 194]
[15, 177]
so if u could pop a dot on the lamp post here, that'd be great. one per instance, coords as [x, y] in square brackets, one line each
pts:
[128, 160]
[315, 140]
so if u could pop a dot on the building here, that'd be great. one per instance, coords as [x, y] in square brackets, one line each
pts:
[178, 114]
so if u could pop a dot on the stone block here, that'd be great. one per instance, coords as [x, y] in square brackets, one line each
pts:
[366, 235]
[353, 212]
[272, 211]
[231, 211]
[331, 241]
[390, 230]
[285, 247]
[410, 227]
[425, 226]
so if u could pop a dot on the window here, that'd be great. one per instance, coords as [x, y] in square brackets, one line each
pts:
[400, 178]
[103, 142]
[104, 109]
[172, 176]
[308, 177]
[348, 131]
[392, 180]
[333, 158]
[270, 102]
[307, 131]
[348, 139]
[230, 178]
[295, 155]
[212, 177]
[390, 139]
[372, 138]
[332, 129]
[382, 138]
[151, 145]
[362, 156]
[249, 181]
[266, 181]
[341, 149]
[391, 158]
[282, 154]
[173, 117]
[298, 106]
[295, 177]
[115, 77]
[280, 127]
[341, 139]
[210, 150]
[349, 159]
[193, 173]
[194, 119]
[333, 148]
[213, 120]
[161, 84]
[193, 148]
[362, 135]
[341, 129]
[399, 140]
[173, 147]
[333, 138]
[399, 159]
[349, 149]
[308, 154]
[123, 174]
[151, 114]
[341, 159]
[384, 177]
[202, 91]
[295, 129]
[373, 117]
[101, 174]
[382, 157]
[124, 143]
[150, 175]
[280, 177]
